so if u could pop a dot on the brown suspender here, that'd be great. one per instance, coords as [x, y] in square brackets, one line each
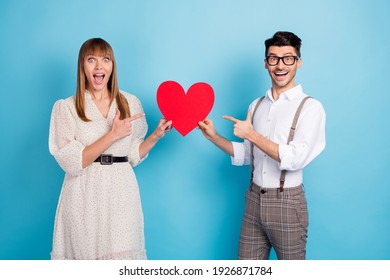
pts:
[253, 115]
[290, 137]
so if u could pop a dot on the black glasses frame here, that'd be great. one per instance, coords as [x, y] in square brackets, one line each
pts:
[296, 57]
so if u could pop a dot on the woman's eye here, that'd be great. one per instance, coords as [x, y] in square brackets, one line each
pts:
[106, 59]
[91, 59]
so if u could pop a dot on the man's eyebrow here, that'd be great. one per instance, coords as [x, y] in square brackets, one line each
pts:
[285, 54]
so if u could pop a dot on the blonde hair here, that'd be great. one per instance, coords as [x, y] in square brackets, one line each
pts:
[98, 46]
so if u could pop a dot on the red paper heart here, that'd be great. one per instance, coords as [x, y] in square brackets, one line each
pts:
[185, 110]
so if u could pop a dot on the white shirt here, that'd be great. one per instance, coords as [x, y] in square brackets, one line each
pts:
[273, 120]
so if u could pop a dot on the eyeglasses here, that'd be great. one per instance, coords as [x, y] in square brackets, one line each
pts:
[287, 60]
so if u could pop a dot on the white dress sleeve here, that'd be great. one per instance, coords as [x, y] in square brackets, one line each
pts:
[139, 128]
[62, 143]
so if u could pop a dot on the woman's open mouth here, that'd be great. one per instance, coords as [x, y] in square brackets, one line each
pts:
[98, 78]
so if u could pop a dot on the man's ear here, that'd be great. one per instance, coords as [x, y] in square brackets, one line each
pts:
[299, 62]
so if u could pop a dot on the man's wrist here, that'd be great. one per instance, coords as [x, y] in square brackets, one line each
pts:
[251, 135]
[214, 138]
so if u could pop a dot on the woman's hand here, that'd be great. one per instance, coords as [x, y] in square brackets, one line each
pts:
[122, 128]
[163, 127]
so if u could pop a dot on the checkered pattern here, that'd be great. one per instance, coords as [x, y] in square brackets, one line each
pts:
[274, 219]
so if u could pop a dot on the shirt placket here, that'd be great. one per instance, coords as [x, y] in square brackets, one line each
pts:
[266, 172]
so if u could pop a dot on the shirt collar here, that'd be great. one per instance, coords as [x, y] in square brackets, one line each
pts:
[291, 94]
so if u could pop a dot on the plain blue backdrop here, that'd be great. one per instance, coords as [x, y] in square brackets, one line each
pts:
[193, 199]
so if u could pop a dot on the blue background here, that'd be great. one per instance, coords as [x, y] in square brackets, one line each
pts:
[193, 199]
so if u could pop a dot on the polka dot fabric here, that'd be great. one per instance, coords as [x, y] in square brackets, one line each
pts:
[99, 213]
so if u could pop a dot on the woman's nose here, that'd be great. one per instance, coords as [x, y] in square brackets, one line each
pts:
[98, 64]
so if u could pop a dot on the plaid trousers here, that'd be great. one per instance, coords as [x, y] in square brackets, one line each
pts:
[274, 219]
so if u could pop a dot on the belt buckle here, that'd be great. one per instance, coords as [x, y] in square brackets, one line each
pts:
[106, 159]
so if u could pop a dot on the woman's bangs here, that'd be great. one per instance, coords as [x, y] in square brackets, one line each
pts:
[98, 47]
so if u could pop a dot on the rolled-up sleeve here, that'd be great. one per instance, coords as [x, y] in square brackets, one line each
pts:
[309, 139]
[62, 143]
[241, 153]
[140, 127]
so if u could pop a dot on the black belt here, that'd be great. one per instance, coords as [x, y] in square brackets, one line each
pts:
[107, 159]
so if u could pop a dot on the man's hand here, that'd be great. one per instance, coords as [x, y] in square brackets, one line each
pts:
[208, 129]
[242, 129]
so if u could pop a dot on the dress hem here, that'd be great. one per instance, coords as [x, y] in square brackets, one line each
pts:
[125, 255]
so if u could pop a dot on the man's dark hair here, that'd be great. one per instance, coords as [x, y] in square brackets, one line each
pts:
[284, 38]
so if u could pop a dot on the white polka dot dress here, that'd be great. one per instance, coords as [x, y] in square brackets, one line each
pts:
[99, 213]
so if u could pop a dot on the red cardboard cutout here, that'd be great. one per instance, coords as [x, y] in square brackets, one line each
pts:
[185, 110]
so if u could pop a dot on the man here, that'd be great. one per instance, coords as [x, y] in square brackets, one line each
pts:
[276, 211]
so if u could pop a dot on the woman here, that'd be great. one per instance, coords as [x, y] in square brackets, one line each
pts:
[94, 135]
